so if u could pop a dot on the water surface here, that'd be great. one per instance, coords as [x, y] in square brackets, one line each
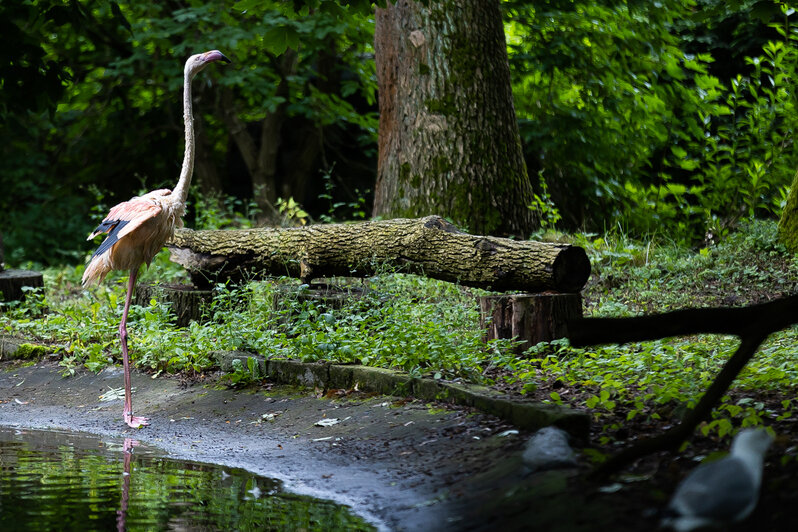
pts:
[68, 481]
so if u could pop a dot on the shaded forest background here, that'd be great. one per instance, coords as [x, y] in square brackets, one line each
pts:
[673, 117]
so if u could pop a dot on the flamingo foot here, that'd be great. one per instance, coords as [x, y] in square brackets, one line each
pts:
[136, 422]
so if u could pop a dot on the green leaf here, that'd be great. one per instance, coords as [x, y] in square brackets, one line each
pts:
[278, 39]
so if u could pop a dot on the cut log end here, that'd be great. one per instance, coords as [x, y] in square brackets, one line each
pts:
[571, 270]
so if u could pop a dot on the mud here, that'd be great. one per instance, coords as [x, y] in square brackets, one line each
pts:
[402, 464]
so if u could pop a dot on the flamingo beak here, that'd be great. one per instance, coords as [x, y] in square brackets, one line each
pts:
[215, 55]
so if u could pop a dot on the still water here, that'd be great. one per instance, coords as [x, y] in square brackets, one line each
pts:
[66, 481]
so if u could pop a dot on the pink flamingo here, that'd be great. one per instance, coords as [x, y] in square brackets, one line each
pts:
[137, 229]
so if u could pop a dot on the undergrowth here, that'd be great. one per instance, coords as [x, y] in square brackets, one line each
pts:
[431, 328]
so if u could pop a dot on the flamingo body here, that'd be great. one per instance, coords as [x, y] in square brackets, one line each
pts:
[137, 230]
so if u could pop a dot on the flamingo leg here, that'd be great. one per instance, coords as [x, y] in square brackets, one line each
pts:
[132, 421]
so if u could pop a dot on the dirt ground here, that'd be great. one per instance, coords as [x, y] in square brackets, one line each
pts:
[402, 464]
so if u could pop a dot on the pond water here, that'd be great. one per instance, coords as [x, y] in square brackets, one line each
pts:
[68, 481]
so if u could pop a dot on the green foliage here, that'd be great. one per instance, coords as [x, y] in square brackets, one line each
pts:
[543, 205]
[618, 103]
[391, 321]
[243, 375]
[291, 211]
[653, 381]
[338, 211]
[214, 211]
[91, 100]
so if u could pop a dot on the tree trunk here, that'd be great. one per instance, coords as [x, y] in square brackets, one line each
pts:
[429, 246]
[788, 224]
[448, 136]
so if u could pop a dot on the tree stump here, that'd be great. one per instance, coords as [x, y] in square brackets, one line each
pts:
[529, 318]
[328, 296]
[12, 283]
[186, 301]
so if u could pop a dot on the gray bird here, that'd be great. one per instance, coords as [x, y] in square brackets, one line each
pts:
[724, 491]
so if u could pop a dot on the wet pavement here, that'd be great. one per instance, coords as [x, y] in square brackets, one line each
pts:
[402, 464]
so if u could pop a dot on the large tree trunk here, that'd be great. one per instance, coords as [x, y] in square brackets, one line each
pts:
[428, 246]
[788, 224]
[448, 136]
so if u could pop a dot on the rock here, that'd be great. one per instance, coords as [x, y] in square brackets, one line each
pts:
[548, 449]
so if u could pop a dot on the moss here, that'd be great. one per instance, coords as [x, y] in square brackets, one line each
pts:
[446, 106]
[424, 69]
[404, 173]
[441, 165]
[27, 351]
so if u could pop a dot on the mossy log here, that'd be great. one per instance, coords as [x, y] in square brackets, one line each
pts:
[428, 246]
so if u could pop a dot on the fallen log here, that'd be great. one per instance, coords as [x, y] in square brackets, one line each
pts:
[428, 246]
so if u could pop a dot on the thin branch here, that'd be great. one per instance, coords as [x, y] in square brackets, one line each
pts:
[753, 324]
[673, 437]
[769, 317]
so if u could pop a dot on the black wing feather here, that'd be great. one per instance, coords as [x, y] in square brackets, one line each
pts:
[113, 234]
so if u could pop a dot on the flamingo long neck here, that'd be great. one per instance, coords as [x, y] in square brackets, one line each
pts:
[180, 191]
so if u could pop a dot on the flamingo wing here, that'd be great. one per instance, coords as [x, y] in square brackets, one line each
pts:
[123, 219]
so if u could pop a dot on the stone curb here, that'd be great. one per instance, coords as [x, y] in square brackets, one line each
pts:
[530, 415]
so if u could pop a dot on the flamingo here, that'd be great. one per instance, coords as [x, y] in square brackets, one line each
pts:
[138, 228]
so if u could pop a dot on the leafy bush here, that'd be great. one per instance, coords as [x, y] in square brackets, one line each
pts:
[632, 129]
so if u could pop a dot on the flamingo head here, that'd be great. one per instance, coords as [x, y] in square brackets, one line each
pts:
[197, 62]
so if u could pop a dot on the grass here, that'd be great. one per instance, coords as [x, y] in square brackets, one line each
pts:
[431, 328]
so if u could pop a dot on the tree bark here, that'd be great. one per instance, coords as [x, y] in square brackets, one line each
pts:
[529, 318]
[788, 224]
[429, 246]
[448, 137]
